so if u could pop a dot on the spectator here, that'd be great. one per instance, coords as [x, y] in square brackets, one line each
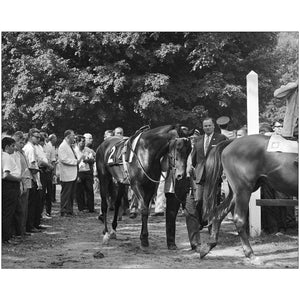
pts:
[223, 123]
[200, 151]
[241, 132]
[108, 133]
[51, 153]
[68, 163]
[20, 216]
[119, 131]
[46, 170]
[34, 202]
[11, 179]
[277, 127]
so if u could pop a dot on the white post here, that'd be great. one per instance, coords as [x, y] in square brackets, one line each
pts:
[253, 128]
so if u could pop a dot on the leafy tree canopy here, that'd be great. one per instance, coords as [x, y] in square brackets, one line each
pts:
[93, 81]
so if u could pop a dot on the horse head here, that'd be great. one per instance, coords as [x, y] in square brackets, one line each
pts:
[179, 149]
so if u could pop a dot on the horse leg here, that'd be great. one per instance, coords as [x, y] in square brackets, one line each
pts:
[220, 213]
[240, 220]
[172, 208]
[104, 207]
[120, 193]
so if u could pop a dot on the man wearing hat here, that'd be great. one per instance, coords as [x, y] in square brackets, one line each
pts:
[202, 146]
[223, 124]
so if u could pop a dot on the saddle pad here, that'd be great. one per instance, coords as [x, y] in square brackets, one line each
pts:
[279, 144]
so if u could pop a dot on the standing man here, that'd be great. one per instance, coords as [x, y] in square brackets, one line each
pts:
[10, 186]
[202, 146]
[49, 149]
[89, 160]
[68, 163]
[21, 212]
[34, 213]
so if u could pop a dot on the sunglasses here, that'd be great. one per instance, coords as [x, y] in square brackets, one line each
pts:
[278, 126]
[37, 136]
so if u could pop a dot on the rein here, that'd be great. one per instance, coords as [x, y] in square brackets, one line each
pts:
[144, 171]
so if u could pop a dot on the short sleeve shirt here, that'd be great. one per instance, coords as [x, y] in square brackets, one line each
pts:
[9, 165]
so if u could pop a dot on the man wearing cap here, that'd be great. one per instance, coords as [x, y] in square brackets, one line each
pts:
[202, 146]
[223, 124]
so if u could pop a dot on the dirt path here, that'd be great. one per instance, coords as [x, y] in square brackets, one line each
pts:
[71, 242]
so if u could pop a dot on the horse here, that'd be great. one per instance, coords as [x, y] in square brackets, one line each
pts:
[155, 150]
[247, 165]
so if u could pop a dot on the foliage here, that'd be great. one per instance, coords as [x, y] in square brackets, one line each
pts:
[93, 81]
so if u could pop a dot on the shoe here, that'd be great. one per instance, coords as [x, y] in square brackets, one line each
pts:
[47, 217]
[132, 215]
[158, 214]
[34, 230]
[41, 227]
[27, 233]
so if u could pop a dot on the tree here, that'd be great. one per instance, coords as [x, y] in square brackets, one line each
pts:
[93, 81]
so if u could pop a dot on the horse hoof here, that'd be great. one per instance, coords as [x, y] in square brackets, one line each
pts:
[106, 238]
[145, 244]
[100, 217]
[113, 235]
[172, 247]
[254, 260]
[204, 250]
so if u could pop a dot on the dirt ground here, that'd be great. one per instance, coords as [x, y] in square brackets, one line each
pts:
[71, 242]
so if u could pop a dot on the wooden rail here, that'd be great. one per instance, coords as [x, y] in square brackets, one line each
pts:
[277, 202]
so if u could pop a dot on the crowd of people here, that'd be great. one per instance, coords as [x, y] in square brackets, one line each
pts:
[33, 164]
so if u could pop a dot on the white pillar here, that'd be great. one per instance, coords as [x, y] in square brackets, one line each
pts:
[253, 128]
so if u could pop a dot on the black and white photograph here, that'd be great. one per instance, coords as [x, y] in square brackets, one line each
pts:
[149, 147]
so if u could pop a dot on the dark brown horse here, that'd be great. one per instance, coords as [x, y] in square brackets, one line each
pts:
[246, 164]
[154, 147]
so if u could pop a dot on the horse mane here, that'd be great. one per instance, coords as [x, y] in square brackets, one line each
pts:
[213, 172]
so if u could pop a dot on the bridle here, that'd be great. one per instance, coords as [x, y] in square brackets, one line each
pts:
[171, 158]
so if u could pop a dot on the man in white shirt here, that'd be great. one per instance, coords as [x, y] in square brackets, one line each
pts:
[34, 199]
[68, 164]
[11, 178]
[20, 216]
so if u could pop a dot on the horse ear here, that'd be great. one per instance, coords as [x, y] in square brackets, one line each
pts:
[173, 134]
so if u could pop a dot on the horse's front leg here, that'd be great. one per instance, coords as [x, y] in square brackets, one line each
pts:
[172, 207]
[144, 232]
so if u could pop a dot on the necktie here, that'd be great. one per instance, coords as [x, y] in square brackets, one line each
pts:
[206, 144]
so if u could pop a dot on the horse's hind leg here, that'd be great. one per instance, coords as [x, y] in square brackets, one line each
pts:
[220, 213]
[120, 193]
[240, 220]
[104, 181]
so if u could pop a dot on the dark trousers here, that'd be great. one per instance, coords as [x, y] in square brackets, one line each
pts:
[47, 191]
[68, 193]
[85, 191]
[34, 208]
[194, 215]
[10, 194]
[20, 216]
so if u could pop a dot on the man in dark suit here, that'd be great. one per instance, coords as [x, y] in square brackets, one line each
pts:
[203, 144]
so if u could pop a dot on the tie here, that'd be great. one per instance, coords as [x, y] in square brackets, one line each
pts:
[206, 144]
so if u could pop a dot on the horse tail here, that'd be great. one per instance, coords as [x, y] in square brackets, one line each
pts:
[213, 173]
